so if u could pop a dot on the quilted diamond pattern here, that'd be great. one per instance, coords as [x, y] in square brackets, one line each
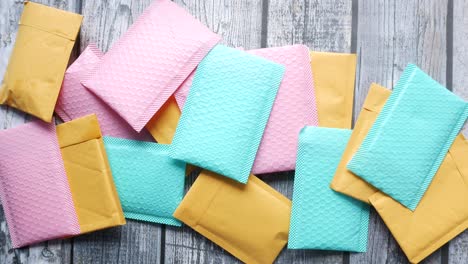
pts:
[150, 183]
[144, 68]
[34, 189]
[293, 109]
[226, 112]
[398, 156]
[322, 218]
[76, 101]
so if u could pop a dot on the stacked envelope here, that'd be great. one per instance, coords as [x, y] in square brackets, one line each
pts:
[234, 114]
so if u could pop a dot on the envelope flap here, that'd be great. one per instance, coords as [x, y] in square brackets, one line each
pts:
[52, 20]
[78, 130]
[459, 153]
[376, 98]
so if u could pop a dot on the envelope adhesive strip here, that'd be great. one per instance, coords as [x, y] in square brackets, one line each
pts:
[334, 75]
[92, 187]
[398, 155]
[293, 109]
[322, 218]
[250, 221]
[76, 101]
[34, 190]
[150, 183]
[42, 49]
[344, 180]
[227, 108]
[150, 61]
[442, 213]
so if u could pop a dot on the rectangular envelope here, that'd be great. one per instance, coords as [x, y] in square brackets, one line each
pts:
[150, 61]
[322, 218]
[226, 112]
[398, 155]
[42, 49]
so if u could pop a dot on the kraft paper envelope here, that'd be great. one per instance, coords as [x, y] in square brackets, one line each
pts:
[344, 180]
[76, 101]
[226, 112]
[93, 191]
[334, 75]
[442, 213]
[34, 189]
[322, 218]
[250, 221]
[150, 61]
[149, 182]
[162, 126]
[42, 49]
[293, 109]
[417, 103]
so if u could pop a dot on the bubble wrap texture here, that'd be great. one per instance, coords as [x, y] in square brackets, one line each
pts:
[322, 218]
[293, 109]
[76, 101]
[150, 61]
[410, 138]
[34, 188]
[150, 183]
[226, 112]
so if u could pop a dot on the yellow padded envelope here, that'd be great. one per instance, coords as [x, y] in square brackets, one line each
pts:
[251, 221]
[334, 75]
[344, 180]
[93, 191]
[442, 213]
[37, 64]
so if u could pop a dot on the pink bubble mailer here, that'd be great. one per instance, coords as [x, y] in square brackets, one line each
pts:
[76, 101]
[150, 61]
[34, 189]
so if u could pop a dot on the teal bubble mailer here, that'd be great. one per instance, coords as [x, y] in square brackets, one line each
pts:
[322, 218]
[149, 182]
[410, 138]
[226, 112]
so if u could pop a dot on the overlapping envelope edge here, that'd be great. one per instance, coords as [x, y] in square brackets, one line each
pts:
[139, 123]
[51, 22]
[373, 104]
[4, 197]
[270, 96]
[78, 131]
[398, 91]
[458, 151]
[345, 58]
[117, 143]
[90, 51]
[195, 204]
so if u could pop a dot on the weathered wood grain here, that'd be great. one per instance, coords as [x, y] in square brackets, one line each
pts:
[458, 248]
[104, 22]
[390, 35]
[57, 251]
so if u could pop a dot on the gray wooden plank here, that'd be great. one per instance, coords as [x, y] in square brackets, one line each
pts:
[390, 35]
[57, 251]
[104, 22]
[458, 247]
[239, 23]
[323, 25]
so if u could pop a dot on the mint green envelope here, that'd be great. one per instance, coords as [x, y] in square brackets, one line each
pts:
[322, 218]
[410, 138]
[149, 182]
[226, 112]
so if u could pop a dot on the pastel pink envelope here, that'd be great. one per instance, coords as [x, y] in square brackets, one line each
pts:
[76, 101]
[150, 61]
[294, 108]
[34, 188]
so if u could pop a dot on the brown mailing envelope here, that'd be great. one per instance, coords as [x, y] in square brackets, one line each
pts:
[334, 75]
[37, 65]
[250, 221]
[93, 191]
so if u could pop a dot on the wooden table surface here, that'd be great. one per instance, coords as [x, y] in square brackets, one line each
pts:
[386, 35]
